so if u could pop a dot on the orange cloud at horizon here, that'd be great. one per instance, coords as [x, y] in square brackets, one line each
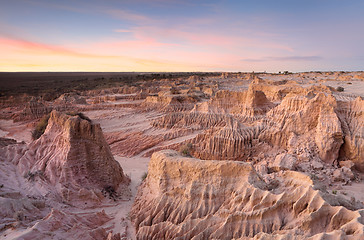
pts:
[21, 55]
[143, 53]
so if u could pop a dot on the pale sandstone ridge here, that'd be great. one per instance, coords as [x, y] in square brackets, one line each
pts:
[351, 115]
[309, 123]
[187, 198]
[311, 120]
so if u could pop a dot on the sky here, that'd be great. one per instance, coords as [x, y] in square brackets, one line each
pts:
[173, 35]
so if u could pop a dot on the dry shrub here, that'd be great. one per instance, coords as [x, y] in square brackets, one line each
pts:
[340, 89]
[40, 127]
[80, 114]
[185, 149]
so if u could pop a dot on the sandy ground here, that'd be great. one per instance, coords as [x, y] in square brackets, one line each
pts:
[135, 168]
[19, 131]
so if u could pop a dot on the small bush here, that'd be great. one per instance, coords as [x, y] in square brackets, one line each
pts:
[80, 114]
[30, 176]
[144, 176]
[39, 204]
[334, 192]
[40, 127]
[313, 176]
[185, 149]
[340, 89]
[19, 216]
[110, 191]
[174, 91]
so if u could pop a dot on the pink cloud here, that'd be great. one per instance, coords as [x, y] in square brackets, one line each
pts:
[205, 38]
[128, 15]
[22, 55]
[20, 45]
[122, 30]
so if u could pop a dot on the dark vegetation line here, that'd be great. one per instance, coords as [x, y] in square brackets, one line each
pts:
[50, 85]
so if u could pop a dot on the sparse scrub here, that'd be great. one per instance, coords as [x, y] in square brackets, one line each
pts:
[30, 176]
[144, 176]
[185, 150]
[174, 91]
[80, 114]
[110, 191]
[19, 216]
[313, 176]
[40, 127]
[340, 89]
[38, 204]
[334, 192]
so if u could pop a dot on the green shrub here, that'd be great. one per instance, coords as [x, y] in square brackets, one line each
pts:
[334, 192]
[185, 149]
[40, 127]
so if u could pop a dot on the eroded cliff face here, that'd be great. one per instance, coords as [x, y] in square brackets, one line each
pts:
[351, 115]
[311, 119]
[34, 109]
[187, 198]
[303, 121]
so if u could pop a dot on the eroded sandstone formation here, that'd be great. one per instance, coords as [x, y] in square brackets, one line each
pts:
[72, 154]
[34, 109]
[187, 198]
[303, 121]
[71, 163]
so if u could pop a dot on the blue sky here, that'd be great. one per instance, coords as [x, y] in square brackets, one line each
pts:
[161, 35]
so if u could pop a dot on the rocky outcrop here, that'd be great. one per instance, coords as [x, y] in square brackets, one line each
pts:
[231, 142]
[73, 156]
[191, 120]
[131, 143]
[351, 115]
[170, 100]
[34, 109]
[70, 99]
[186, 198]
[247, 103]
[312, 120]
